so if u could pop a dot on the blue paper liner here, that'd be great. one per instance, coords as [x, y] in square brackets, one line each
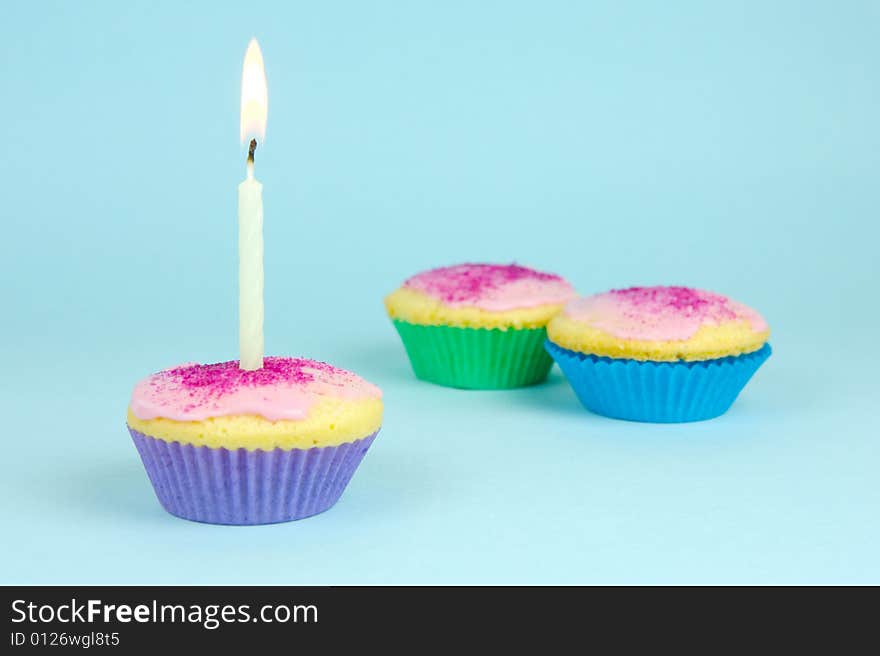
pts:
[660, 392]
[237, 486]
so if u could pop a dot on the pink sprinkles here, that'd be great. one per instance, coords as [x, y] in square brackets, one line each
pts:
[660, 313]
[224, 377]
[285, 388]
[470, 282]
[682, 300]
[205, 382]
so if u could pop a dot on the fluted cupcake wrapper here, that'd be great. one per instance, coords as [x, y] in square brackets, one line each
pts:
[661, 392]
[238, 486]
[476, 358]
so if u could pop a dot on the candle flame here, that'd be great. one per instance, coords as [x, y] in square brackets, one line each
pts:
[254, 95]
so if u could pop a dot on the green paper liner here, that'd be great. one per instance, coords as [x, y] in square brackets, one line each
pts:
[476, 358]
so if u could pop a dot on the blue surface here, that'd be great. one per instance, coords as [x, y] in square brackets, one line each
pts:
[733, 147]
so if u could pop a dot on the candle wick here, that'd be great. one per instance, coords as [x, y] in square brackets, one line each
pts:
[251, 150]
[250, 159]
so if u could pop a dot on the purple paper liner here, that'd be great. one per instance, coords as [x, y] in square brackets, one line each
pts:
[241, 487]
[658, 392]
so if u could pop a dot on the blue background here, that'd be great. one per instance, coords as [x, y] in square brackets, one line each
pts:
[731, 146]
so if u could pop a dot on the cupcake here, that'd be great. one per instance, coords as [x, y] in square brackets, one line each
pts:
[659, 354]
[228, 446]
[478, 326]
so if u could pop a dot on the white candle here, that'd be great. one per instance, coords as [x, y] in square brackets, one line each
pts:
[254, 107]
[250, 272]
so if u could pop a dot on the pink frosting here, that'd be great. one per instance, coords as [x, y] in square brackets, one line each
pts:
[492, 287]
[285, 388]
[659, 313]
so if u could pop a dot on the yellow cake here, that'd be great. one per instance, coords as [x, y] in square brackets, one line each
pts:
[478, 326]
[226, 445]
[660, 324]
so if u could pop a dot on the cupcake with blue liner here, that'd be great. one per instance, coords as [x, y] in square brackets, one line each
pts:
[658, 354]
[478, 326]
[228, 446]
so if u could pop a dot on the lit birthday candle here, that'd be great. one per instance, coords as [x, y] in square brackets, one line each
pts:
[254, 107]
[315, 421]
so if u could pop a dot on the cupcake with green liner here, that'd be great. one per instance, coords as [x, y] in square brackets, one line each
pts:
[658, 354]
[478, 326]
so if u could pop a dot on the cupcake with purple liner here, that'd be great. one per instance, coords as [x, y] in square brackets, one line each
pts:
[658, 354]
[228, 446]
